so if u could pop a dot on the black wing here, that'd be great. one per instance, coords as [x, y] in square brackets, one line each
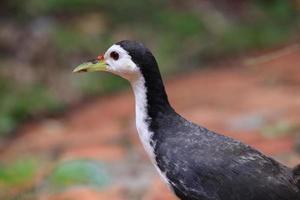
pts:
[203, 165]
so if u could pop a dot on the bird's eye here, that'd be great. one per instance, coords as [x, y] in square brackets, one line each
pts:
[114, 55]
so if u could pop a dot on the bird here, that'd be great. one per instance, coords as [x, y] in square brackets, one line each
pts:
[194, 162]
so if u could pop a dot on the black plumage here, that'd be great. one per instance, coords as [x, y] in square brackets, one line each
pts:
[203, 165]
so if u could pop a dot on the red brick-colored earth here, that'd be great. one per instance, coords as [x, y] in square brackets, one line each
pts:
[255, 100]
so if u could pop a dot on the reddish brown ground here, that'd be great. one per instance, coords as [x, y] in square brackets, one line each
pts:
[254, 100]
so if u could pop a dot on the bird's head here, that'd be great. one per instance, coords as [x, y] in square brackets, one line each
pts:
[128, 59]
[134, 62]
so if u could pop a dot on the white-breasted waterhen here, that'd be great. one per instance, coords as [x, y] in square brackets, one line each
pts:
[196, 163]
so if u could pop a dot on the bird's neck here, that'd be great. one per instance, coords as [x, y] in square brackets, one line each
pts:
[151, 103]
[150, 98]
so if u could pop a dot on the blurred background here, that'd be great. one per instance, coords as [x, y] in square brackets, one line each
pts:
[230, 65]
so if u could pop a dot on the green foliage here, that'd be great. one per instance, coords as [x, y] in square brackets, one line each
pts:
[118, 12]
[79, 172]
[279, 129]
[17, 174]
[19, 103]
[248, 37]
[277, 9]
[182, 24]
[100, 83]
[68, 40]
[38, 7]
[180, 38]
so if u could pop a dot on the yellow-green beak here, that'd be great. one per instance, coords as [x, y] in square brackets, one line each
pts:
[91, 66]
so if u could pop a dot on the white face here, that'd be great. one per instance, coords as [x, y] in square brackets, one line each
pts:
[119, 62]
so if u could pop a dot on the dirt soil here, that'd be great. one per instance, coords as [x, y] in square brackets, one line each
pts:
[255, 100]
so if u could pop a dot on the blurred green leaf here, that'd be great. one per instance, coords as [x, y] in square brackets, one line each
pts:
[17, 174]
[279, 129]
[79, 172]
[18, 103]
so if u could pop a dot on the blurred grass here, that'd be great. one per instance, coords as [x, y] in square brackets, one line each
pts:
[100, 83]
[182, 34]
[18, 179]
[19, 103]
[18, 173]
[280, 129]
[78, 172]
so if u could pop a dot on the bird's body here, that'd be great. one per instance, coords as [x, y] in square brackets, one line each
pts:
[196, 163]
[202, 165]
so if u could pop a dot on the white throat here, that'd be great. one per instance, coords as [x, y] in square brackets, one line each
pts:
[142, 118]
[142, 121]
